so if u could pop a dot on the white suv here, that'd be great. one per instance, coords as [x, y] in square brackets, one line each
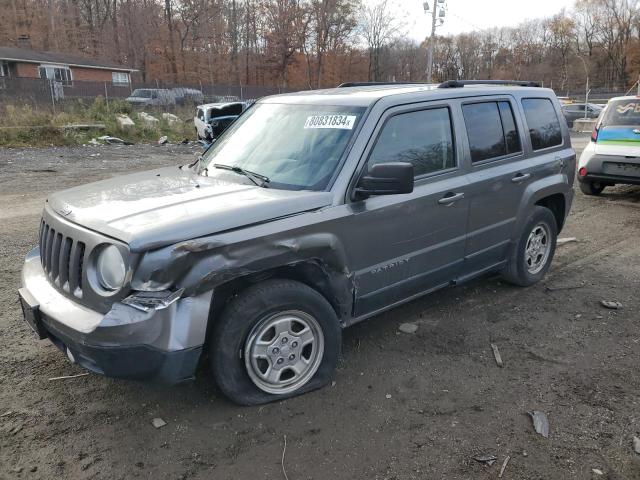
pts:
[213, 118]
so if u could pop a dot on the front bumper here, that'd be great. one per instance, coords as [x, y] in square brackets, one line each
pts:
[158, 345]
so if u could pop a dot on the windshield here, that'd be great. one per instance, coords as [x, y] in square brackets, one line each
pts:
[142, 93]
[296, 147]
[622, 113]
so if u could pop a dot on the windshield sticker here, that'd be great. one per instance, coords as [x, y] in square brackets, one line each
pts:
[344, 122]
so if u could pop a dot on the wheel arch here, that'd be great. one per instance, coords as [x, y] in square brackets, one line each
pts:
[311, 273]
[552, 192]
[557, 204]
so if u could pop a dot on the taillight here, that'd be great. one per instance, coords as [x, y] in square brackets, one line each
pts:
[582, 172]
[594, 135]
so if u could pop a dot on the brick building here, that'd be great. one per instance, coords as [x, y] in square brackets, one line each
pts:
[61, 67]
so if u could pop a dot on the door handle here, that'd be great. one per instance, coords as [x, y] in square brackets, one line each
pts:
[521, 177]
[451, 198]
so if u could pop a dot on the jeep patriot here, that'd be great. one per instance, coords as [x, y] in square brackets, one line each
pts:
[313, 211]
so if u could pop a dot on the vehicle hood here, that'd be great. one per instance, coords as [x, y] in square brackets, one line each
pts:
[622, 141]
[160, 207]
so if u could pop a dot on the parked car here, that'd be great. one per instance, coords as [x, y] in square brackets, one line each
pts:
[613, 155]
[312, 212]
[187, 96]
[160, 97]
[151, 97]
[213, 118]
[576, 111]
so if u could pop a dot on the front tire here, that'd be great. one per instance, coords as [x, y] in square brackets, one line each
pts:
[532, 256]
[277, 339]
[592, 188]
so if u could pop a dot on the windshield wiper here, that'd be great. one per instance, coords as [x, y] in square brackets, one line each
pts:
[259, 180]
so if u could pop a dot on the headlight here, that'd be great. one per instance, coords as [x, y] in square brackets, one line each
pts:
[110, 268]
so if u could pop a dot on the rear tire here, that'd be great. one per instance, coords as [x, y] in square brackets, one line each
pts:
[592, 188]
[276, 340]
[532, 256]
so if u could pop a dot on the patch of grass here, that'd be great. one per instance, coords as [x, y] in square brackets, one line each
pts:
[24, 125]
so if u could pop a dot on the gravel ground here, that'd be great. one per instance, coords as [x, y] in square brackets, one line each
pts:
[403, 406]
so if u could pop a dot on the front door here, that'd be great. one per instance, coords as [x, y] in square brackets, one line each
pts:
[404, 245]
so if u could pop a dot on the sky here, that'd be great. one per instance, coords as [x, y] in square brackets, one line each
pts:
[468, 15]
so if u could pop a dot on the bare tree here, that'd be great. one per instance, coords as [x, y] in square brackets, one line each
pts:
[379, 27]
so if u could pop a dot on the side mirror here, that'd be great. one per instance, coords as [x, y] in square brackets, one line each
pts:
[391, 178]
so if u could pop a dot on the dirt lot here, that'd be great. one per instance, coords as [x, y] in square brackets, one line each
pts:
[402, 406]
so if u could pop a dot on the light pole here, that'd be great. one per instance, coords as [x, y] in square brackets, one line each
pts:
[434, 20]
[586, 88]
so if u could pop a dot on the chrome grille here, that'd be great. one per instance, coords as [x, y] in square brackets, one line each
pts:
[62, 259]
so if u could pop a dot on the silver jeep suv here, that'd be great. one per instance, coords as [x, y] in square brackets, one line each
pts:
[312, 212]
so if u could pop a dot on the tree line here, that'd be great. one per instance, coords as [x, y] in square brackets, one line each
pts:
[319, 43]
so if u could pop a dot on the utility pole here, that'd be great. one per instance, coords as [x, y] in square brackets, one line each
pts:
[438, 5]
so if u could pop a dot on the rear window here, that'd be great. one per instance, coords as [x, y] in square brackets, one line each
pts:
[544, 127]
[491, 130]
[622, 113]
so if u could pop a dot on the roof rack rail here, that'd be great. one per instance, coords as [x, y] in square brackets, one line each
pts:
[368, 84]
[462, 83]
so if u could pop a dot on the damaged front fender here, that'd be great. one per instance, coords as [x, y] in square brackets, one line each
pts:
[205, 263]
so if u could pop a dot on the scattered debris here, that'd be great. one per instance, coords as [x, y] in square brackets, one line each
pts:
[163, 140]
[17, 470]
[185, 141]
[6, 414]
[486, 459]
[158, 422]
[387, 396]
[636, 445]
[496, 354]
[562, 241]
[113, 140]
[94, 142]
[333, 383]
[15, 430]
[611, 305]
[85, 126]
[124, 122]
[560, 288]
[284, 450]
[597, 471]
[504, 466]
[540, 423]
[409, 328]
[66, 377]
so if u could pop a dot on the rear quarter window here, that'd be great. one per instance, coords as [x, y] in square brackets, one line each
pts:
[543, 123]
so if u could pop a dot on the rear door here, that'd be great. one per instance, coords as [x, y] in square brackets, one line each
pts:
[498, 175]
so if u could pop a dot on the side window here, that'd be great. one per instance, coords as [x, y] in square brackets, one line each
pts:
[543, 123]
[511, 135]
[422, 138]
[491, 129]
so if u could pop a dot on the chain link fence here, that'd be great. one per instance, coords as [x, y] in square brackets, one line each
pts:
[53, 96]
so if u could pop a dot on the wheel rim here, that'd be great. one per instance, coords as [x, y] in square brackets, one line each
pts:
[537, 249]
[284, 351]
